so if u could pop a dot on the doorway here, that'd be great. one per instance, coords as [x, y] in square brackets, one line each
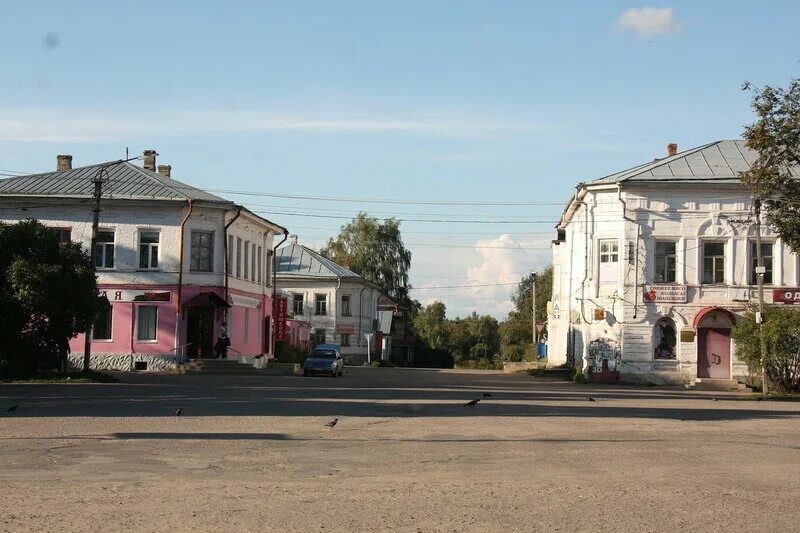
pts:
[200, 332]
[714, 353]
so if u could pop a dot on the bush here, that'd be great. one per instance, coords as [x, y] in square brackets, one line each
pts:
[480, 364]
[513, 353]
[286, 353]
[781, 331]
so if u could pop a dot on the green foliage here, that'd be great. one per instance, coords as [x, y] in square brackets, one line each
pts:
[372, 364]
[513, 353]
[427, 357]
[516, 329]
[466, 333]
[48, 295]
[578, 376]
[775, 135]
[287, 353]
[431, 325]
[375, 251]
[781, 330]
[480, 363]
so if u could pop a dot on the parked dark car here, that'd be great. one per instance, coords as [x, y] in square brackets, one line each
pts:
[323, 361]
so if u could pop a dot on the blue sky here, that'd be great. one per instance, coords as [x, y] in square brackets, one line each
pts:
[474, 101]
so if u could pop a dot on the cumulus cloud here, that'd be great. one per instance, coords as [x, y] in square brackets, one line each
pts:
[648, 21]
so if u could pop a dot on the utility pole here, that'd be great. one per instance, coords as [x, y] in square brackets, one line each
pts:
[535, 334]
[760, 271]
[98, 192]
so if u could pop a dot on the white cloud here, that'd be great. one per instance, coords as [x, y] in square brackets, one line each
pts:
[648, 21]
[82, 125]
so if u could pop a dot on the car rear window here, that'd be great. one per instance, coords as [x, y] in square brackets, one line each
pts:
[323, 355]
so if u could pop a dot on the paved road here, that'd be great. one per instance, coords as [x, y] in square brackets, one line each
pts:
[252, 453]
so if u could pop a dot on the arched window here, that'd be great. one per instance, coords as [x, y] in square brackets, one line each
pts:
[664, 339]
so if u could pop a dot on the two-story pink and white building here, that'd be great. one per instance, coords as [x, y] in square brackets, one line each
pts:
[174, 262]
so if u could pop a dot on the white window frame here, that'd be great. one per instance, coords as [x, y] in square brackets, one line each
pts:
[210, 233]
[724, 256]
[752, 278]
[346, 297]
[674, 242]
[317, 303]
[301, 300]
[139, 324]
[608, 261]
[102, 250]
[150, 246]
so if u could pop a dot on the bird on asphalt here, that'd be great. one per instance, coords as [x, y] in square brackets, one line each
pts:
[590, 398]
[332, 423]
[259, 356]
[715, 399]
[487, 394]
[472, 403]
[178, 412]
[12, 409]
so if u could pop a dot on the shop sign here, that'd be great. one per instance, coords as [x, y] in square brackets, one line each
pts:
[674, 294]
[244, 301]
[786, 296]
[347, 329]
[280, 319]
[137, 296]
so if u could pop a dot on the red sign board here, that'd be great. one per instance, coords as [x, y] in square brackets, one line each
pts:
[347, 329]
[280, 319]
[786, 296]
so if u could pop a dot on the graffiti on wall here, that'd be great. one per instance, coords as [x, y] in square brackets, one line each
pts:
[604, 350]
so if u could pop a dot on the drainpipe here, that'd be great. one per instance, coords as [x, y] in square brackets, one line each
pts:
[180, 274]
[225, 252]
[360, 313]
[336, 305]
[275, 290]
[636, 258]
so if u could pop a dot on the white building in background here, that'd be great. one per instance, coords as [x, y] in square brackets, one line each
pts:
[652, 266]
[340, 306]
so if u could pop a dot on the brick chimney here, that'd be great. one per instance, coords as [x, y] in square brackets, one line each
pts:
[672, 149]
[165, 170]
[63, 163]
[150, 160]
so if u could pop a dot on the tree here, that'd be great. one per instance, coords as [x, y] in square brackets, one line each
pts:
[431, 325]
[516, 329]
[467, 333]
[375, 251]
[775, 135]
[48, 294]
[782, 336]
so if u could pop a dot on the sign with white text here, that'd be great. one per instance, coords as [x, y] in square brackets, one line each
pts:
[136, 296]
[673, 294]
[786, 296]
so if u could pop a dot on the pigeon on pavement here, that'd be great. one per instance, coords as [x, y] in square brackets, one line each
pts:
[472, 403]
[12, 409]
[590, 399]
[332, 423]
[487, 394]
[178, 411]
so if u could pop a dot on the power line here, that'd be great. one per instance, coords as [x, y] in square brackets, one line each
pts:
[434, 245]
[463, 286]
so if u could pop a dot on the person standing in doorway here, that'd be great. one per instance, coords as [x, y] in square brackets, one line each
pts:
[221, 347]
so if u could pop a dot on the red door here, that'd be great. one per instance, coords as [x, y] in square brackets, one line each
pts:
[714, 353]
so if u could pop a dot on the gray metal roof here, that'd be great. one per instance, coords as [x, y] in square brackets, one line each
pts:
[719, 161]
[295, 260]
[125, 180]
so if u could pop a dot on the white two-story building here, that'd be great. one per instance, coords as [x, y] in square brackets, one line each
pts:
[174, 262]
[652, 266]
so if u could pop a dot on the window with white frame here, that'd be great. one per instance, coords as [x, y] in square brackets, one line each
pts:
[321, 304]
[246, 259]
[665, 263]
[609, 260]
[345, 305]
[766, 256]
[146, 323]
[345, 339]
[713, 263]
[202, 252]
[148, 250]
[297, 303]
[104, 250]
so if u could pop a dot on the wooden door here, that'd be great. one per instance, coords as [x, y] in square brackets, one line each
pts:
[714, 353]
[200, 332]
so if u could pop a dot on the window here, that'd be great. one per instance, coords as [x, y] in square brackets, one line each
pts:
[665, 262]
[202, 251]
[229, 265]
[321, 304]
[146, 323]
[609, 260]
[260, 265]
[253, 264]
[105, 250]
[64, 235]
[246, 333]
[345, 305]
[713, 263]
[148, 249]
[319, 336]
[664, 339]
[297, 304]
[766, 255]
[345, 339]
[246, 259]
[238, 257]
[101, 331]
